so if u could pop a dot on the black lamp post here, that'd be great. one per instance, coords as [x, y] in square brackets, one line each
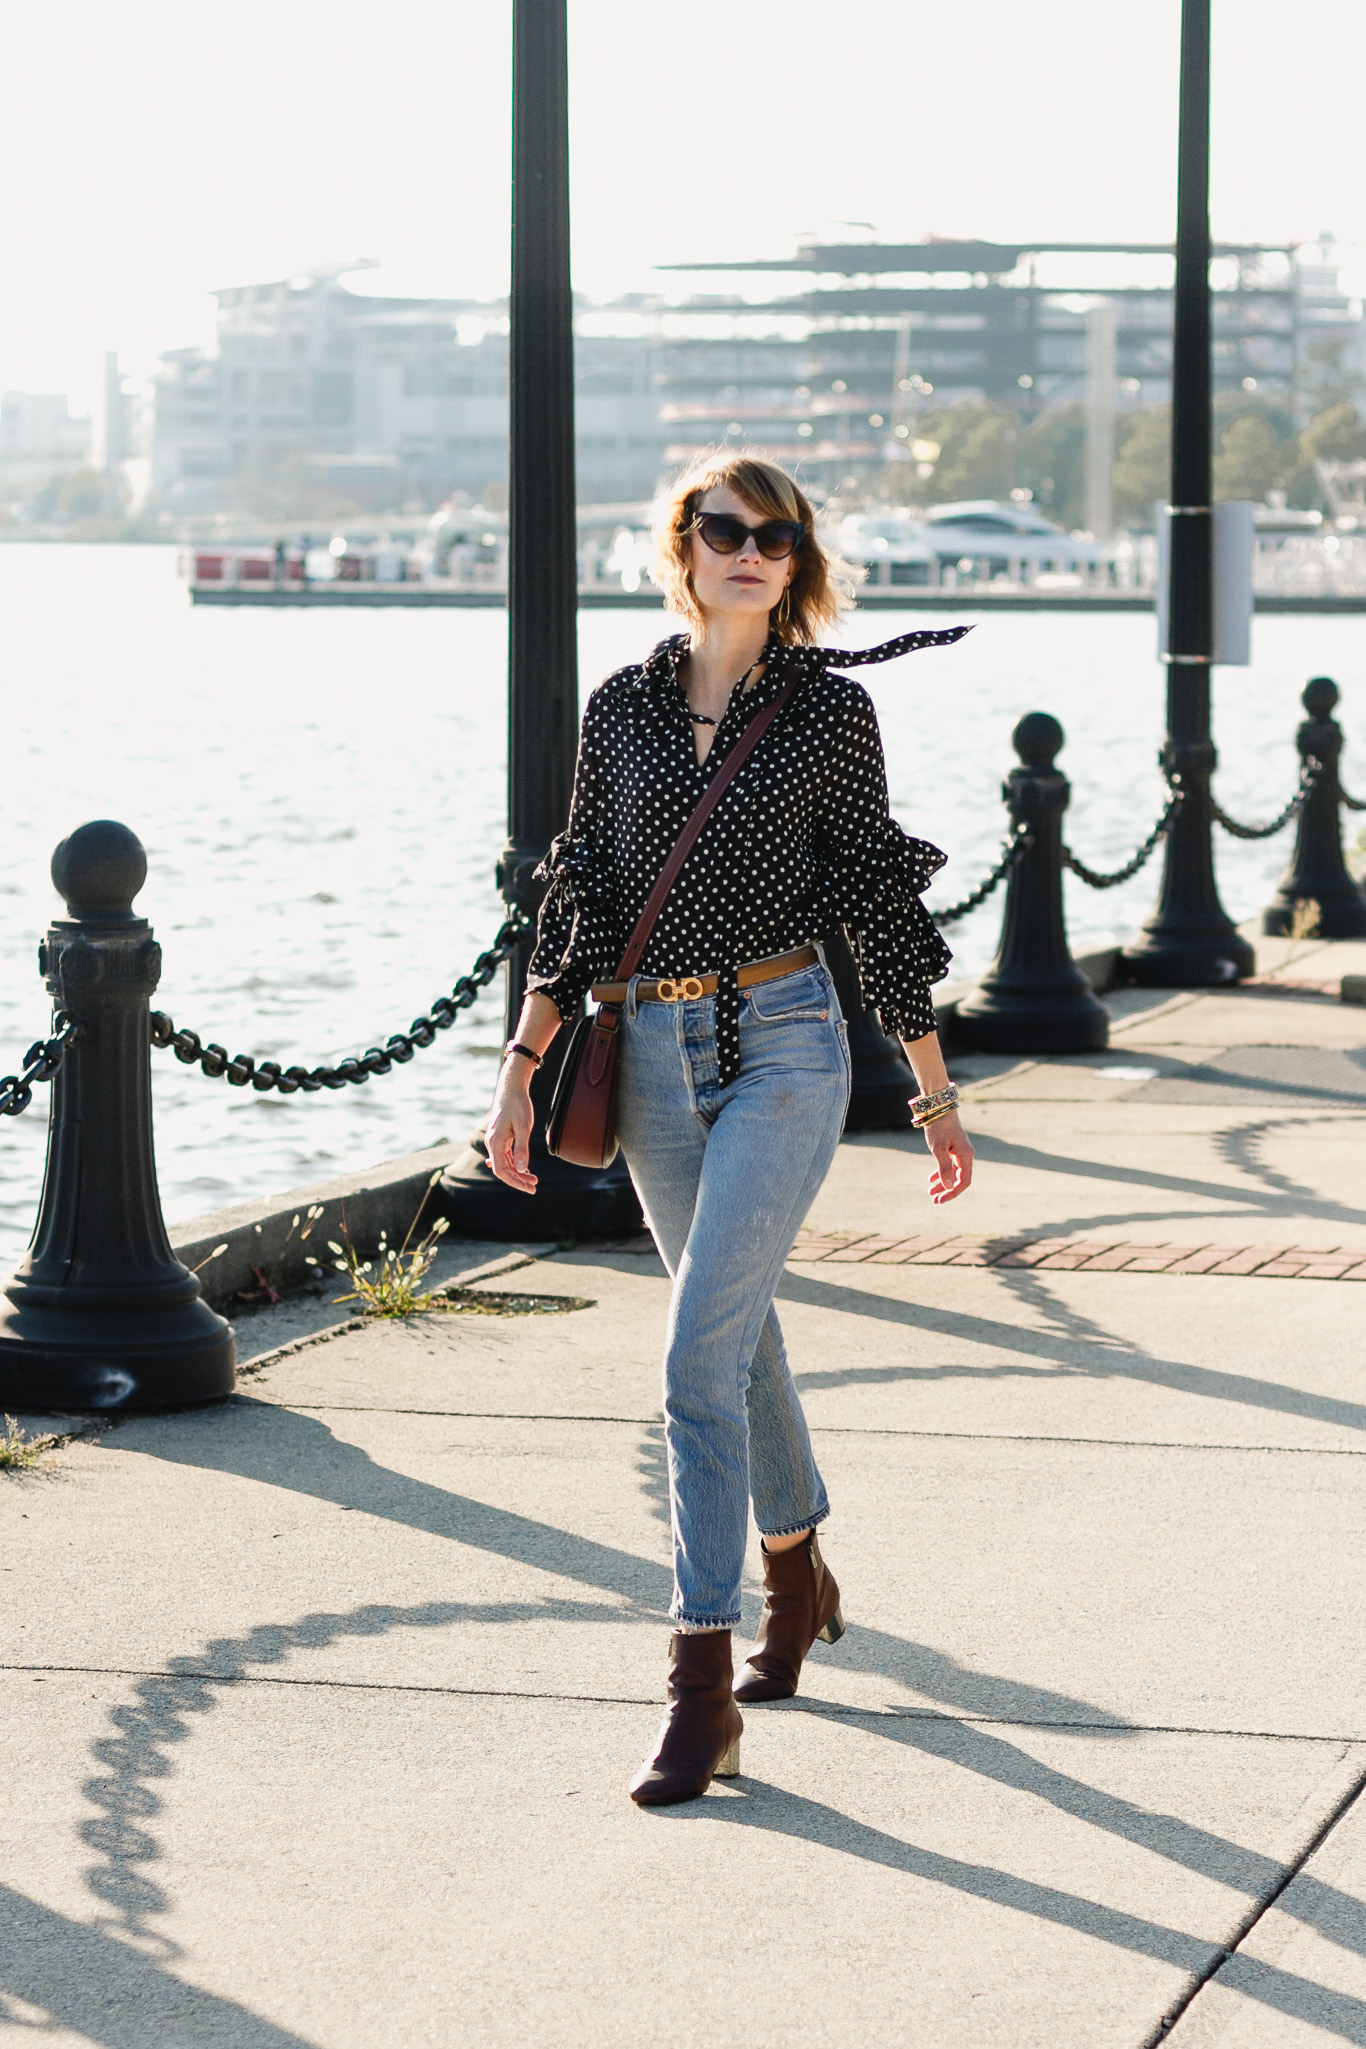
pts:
[543, 694]
[1190, 941]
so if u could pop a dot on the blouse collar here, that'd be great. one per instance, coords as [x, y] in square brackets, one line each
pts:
[661, 667]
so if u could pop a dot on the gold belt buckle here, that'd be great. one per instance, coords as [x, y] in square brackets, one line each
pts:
[685, 991]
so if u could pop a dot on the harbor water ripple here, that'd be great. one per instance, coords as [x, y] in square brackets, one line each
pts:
[321, 796]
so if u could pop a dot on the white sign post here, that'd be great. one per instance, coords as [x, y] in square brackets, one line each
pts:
[1235, 541]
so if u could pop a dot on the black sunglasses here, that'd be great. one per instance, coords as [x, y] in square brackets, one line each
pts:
[726, 535]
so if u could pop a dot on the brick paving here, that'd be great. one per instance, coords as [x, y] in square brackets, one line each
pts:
[1086, 1255]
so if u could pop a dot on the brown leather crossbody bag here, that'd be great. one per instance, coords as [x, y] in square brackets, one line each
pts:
[583, 1112]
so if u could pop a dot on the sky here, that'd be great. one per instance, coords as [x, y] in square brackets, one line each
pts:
[151, 152]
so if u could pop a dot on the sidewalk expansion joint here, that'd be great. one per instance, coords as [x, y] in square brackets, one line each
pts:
[1108, 1443]
[826, 1710]
[456, 1415]
[1259, 1907]
[826, 1429]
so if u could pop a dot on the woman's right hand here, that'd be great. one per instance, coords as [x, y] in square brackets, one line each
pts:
[508, 1135]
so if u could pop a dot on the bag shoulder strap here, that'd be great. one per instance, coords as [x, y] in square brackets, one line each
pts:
[687, 839]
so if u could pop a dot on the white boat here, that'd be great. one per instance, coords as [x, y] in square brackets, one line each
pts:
[985, 539]
[978, 541]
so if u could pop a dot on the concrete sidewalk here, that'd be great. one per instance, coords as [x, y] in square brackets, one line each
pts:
[322, 1704]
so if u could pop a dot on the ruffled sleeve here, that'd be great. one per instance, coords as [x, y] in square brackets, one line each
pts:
[576, 931]
[872, 877]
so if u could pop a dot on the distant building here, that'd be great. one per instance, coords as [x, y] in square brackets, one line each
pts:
[38, 434]
[112, 440]
[318, 394]
[885, 332]
[315, 396]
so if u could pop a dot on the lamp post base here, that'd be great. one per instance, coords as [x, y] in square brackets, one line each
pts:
[1067, 1020]
[570, 1202]
[1190, 959]
[55, 1360]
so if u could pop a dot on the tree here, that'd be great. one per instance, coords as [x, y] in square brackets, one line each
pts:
[977, 447]
[1143, 464]
[1337, 434]
[1051, 462]
[1237, 405]
[1327, 379]
[1251, 461]
[84, 495]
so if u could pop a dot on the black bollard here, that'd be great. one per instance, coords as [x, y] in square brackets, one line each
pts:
[100, 1314]
[1317, 873]
[1034, 998]
[883, 1084]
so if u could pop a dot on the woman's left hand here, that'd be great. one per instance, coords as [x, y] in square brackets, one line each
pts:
[951, 1173]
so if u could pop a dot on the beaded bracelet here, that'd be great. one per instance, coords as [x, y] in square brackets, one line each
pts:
[924, 1109]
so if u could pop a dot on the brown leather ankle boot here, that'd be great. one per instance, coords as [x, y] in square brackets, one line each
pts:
[700, 1735]
[801, 1603]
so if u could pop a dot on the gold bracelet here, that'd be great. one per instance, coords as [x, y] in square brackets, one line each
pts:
[919, 1123]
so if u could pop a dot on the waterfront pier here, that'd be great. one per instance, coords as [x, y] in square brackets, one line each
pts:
[323, 1701]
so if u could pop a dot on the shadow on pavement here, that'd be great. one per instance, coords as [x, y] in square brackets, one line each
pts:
[754, 1804]
[1253, 1203]
[1108, 1356]
[299, 1452]
[95, 1986]
[136, 1756]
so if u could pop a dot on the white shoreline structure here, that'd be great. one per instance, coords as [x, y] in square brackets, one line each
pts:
[980, 545]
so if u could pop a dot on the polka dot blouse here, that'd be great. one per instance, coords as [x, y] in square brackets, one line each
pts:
[801, 841]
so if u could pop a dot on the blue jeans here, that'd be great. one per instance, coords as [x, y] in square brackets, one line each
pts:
[725, 1177]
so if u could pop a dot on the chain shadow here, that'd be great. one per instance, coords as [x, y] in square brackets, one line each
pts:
[299, 1452]
[1239, 1147]
[1106, 1356]
[137, 1756]
[89, 1983]
[755, 1804]
[165, 1706]
[993, 1150]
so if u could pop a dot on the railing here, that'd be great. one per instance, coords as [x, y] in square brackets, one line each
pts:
[101, 1314]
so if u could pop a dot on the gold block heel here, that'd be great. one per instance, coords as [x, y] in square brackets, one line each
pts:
[729, 1767]
[834, 1628]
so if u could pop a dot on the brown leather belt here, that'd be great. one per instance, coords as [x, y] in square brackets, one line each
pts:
[687, 988]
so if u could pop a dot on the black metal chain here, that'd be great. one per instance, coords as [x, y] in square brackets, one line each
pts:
[240, 1068]
[1309, 775]
[40, 1064]
[1014, 851]
[1095, 880]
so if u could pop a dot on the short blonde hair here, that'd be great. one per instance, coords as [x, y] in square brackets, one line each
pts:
[818, 591]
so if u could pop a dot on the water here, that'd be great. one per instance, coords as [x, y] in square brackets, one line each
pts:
[321, 796]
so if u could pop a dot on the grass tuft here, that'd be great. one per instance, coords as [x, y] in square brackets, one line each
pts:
[16, 1450]
[1304, 922]
[390, 1284]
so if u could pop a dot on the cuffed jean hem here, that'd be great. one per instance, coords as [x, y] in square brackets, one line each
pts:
[808, 1522]
[687, 1626]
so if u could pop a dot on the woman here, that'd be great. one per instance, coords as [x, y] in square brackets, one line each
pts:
[735, 1058]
